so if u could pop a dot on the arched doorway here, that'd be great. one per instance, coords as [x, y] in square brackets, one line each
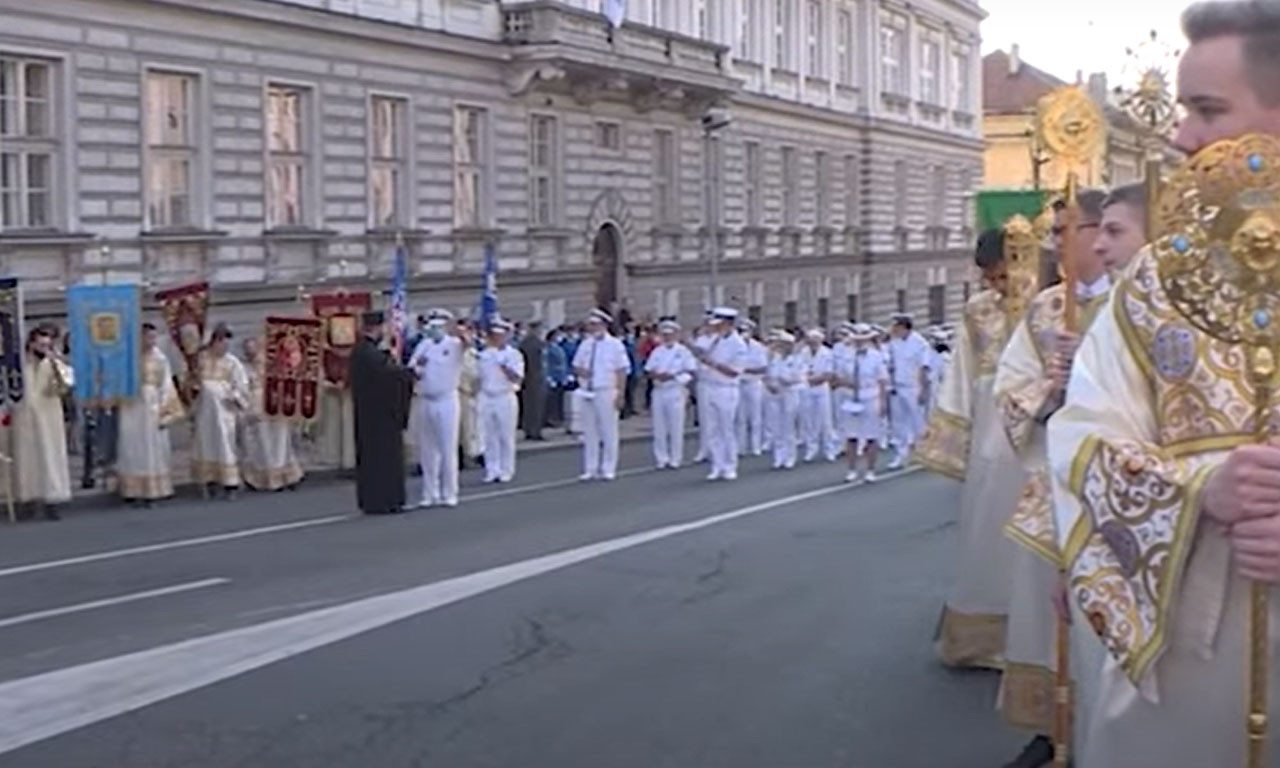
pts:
[605, 256]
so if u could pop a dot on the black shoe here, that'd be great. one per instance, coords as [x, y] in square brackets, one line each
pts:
[1039, 752]
[50, 513]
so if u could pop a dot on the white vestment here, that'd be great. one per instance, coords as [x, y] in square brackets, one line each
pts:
[670, 399]
[336, 427]
[39, 432]
[270, 461]
[143, 465]
[224, 393]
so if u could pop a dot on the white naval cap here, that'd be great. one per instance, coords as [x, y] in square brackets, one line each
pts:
[746, 324]
[500, 324]
[786, 337]
[669, 326]
[816, 334]
[600, 316]
[439, 317]
[861, 332]
[724, 313]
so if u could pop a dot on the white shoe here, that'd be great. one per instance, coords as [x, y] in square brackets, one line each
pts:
[673, 465]
[506, 478]
[425, 504]
[854, 477]
[729, 476]
[608, 478]
[452, 501]
[586, 477]
[872, 477]
[713, 476]
[491, 480]
[896, 464]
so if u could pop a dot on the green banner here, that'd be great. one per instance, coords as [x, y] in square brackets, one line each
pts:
[996, 206]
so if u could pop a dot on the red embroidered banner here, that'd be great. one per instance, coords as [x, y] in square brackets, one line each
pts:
[340, 315]
[186, 309]
[292, 362]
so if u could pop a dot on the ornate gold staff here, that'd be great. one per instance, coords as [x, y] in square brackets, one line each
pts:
[1151, 106]
[1219, 263]
[1071, 126]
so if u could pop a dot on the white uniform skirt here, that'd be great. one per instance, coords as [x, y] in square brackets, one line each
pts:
[859, 418]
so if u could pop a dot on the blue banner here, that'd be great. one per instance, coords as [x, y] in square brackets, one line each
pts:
[489, 288]
[106, 342]
[399, 303]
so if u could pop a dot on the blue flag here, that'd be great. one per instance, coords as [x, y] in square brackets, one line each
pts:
[106, 343]
[489, 288]
[399, 304]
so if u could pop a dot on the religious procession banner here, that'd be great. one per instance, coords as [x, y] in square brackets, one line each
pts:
[292, 357]
[339, 315]
[996, 206]
[106, 345]
[186, 309]
[12, 340]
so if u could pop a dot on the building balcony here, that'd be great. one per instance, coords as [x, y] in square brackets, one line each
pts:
[564, 49]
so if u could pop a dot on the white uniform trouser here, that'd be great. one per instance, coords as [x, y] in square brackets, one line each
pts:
[722, 434]
[438, 447]
[782, 411]
[751, 416]
[668, 424]
[703, 442]
[816, 422]
[599, 432]
[498, 417]
[906, 418]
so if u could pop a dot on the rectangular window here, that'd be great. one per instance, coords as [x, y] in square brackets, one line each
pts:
[824, 311]
[791, 314]
[781, 32]
[844, 47]
[28, 144]
[664, 177]
[852, 216]
[608, 136]
[470, 167]
[900, 193]
[902, 299]
[814, 39]
[704, 21]
[543, 170]
[822, 178]
[751, 189]
[288, 157]
[960, 81]
[937, 304]
[748, 29]
[938, 205]
[966, 289]
[851, 302]
[388, 162]
[893, 56]
[790, 211]
[171, 125]
[663, 14]
[931, 70]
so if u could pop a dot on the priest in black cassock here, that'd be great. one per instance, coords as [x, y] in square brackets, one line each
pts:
[381, 391]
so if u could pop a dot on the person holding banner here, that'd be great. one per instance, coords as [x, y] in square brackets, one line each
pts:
[437, 360]
[142, 465]
[602, 366]
[223, 395]
[39, 435]
[501, 372]
[270, 461]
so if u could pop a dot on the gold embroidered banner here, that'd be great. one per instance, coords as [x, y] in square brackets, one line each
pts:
[339, 314]
[292, 354]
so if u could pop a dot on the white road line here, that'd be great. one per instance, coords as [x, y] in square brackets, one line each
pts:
[41, 707]
[547, 485]
[167, 545]
[27, 618]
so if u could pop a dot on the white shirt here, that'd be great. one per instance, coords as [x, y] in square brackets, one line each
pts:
[603, 359]
[675, 359]
[867, 370]
[906, 359]
[786, 371]
[757, 357]
[492, 379]
[819, 363]
[1093, 290]
[729, 351]
[439, 366]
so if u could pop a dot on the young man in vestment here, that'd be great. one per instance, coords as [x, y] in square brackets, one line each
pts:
[223, 396]
[380, 391]
[965, 440]
[143, 471]
[270, 461]
[39, 447]
[1167, 509]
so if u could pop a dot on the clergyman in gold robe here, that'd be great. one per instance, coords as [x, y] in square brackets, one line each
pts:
[143, 466]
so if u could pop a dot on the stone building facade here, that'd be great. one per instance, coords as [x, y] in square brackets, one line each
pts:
[280, 147]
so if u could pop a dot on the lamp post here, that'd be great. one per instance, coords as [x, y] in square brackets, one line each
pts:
[1147, 98]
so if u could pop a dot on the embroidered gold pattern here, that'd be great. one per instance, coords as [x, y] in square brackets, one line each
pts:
[1027, 697]
[988, 330]
[944, 446]
[1032, 524]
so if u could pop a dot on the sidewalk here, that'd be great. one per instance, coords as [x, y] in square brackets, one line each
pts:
[634, 428]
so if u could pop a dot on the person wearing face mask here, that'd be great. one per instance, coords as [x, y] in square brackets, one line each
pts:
[501, 374]
[1167, 508]
[602, 367]
[41, 474]
[750, 417]
[224, 394]
[783, 379]
[723, 360]
[670, 367]
[863, 375]
[437, 361]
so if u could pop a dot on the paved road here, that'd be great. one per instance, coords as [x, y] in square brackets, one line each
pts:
[781, 621]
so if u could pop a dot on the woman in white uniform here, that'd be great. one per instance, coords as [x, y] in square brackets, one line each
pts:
[783, 379]
[862, 416]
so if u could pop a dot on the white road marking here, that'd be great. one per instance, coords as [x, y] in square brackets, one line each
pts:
[36, 708]
[544, 486]
[27, 618]
[167, 545]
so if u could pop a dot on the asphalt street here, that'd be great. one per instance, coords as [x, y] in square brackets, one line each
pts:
[780, 621]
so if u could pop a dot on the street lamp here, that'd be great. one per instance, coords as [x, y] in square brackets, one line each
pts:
[715, 119]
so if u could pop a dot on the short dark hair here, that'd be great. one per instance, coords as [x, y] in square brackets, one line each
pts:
[990, 249]
[1258, 22]
[1089, 201]
[1132, 195]
[148, 326]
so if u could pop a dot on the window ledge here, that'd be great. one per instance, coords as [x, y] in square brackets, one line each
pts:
[477, 233]
[896, 99]
[825, 229]
[181, 235]
[552, 233]
[389, 233]
[44, 237]
[791, 230]
[755, 230]
[299, 234]
[668, 230]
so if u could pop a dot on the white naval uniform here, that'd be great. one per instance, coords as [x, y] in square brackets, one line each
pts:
[701, 343]
[438, 364]
[498, 409]
[602, 359]
[722, 394]
[815, 406]
[750, 419]
[670, 400]
[783, 383]
[861, 418]
[907, 358]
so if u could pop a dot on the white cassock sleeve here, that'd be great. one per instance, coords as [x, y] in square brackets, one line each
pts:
[944, 446]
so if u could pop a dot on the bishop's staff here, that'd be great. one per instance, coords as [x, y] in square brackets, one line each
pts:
[1071, 127]
[1150, 104]
[1219, 263]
